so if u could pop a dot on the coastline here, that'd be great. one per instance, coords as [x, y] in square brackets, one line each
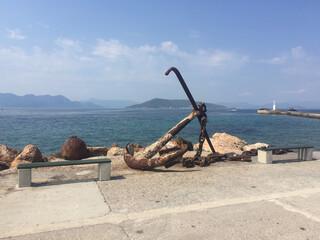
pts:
[48, 129]
[290, 113]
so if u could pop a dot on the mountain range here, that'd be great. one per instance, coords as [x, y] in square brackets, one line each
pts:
[110, 103]
[166, 103]
[9, 100]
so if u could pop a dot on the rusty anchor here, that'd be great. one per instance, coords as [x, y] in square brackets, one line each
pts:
[154, 155]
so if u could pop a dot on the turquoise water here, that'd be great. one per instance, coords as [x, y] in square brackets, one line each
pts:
[48, 129]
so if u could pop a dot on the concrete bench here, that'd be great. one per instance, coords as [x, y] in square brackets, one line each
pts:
[265, 153]
[24, 169]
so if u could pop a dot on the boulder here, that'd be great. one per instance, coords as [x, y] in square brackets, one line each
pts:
[97, 151]
[29, 154]
[74, 148]
[224, 143]
[115, 151]
[255, 146]
[114, 145]
[3, 166]
[54, 156]
[7, 154]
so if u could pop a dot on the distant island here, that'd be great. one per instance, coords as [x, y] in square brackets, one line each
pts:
[110, 104]
[9, 100]
[177, 103]
[31, 101]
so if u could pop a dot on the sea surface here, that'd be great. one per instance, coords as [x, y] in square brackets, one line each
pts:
[48, 129]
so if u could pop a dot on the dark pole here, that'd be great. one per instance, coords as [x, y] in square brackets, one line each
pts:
[191, 99]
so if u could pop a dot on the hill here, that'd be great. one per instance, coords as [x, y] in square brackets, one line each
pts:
[110, 103]
[9, 100]
[166, 103]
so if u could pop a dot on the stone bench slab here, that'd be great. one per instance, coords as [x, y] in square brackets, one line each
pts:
[265, 154]
[24, 169]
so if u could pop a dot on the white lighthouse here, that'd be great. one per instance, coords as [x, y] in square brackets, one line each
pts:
[274, 105]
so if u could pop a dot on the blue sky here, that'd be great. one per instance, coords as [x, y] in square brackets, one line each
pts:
[227, 51]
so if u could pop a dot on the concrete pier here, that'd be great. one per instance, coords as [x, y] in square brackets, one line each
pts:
[228, 200]
[290, 113]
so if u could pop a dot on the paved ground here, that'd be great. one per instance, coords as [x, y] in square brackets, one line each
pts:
[228, 200]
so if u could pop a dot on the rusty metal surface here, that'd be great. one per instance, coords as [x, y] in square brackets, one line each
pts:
[144, 159]
[165, 159]
[191, 99]
[189, 162]
[74, 148]
[154, 148]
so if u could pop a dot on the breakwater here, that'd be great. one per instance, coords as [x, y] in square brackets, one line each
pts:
[290, 113]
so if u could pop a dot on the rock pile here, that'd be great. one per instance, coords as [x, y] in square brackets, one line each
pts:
[29, 154]
[228, 148]
[97, 151]
[7, 154]
[224, 143]
[115, 151]
[255, 146]
[11, 158]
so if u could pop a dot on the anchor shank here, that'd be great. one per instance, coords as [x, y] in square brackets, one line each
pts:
[152, 149]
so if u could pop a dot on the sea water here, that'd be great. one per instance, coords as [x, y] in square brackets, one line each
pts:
[48, 129]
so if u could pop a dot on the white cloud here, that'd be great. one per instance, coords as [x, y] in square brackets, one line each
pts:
[172, 49]
[147, 48]
[86, 59]
[276, 60]
[219, 59]
[296, 62]
[299, 91]
[110, 64]
[15, 34]
[167, 51]
[169, 47]
[111, 49]
[298, 53]
[68, 44]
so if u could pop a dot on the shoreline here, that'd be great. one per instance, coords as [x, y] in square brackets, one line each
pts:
[290, 113]
[48, 130]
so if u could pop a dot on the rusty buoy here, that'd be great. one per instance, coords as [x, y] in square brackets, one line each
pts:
[74, 148]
